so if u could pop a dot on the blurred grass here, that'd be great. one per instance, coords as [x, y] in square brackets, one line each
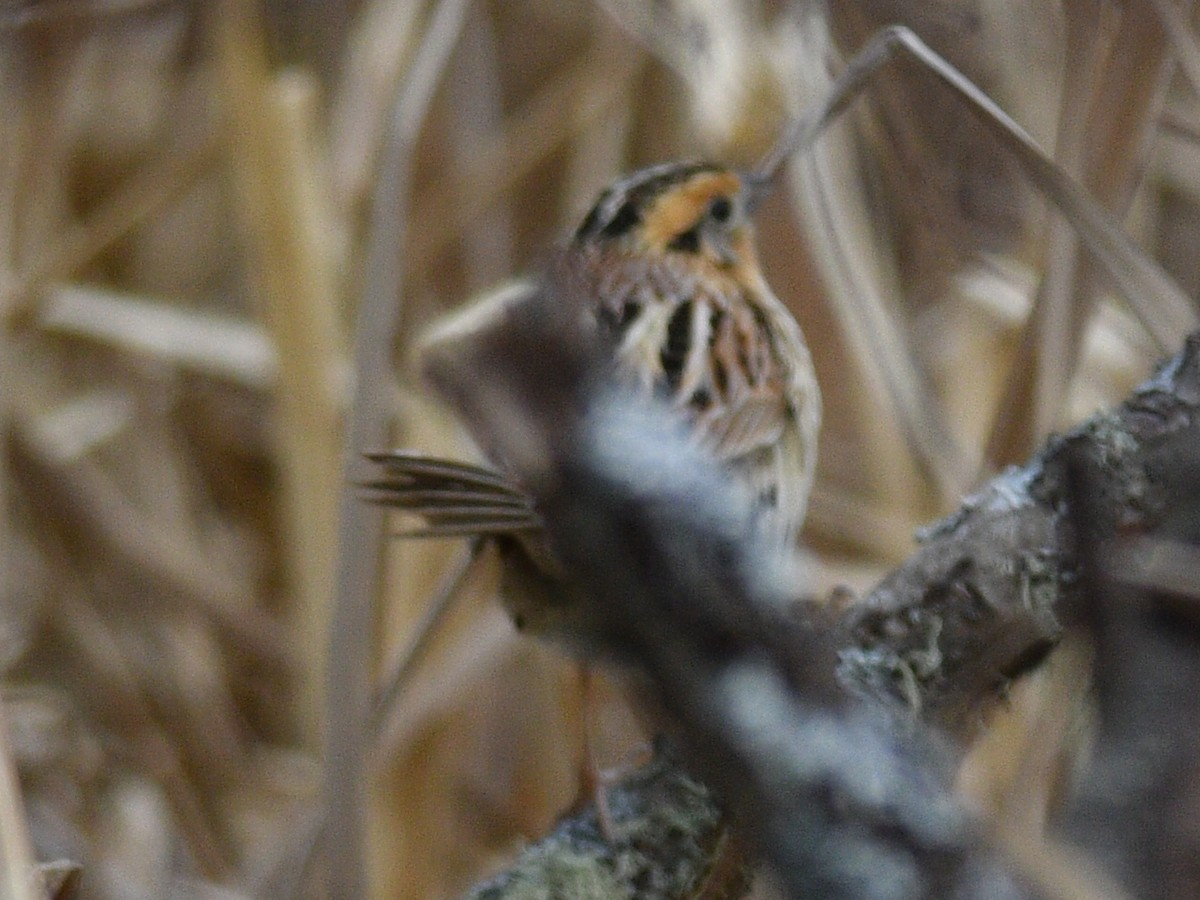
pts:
[185, 214]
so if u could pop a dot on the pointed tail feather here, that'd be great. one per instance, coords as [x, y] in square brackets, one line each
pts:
[446, 498]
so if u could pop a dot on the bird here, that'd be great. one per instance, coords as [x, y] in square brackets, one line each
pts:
[675, 297]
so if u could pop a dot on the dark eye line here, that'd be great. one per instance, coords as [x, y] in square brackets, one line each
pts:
[720, 209]
[687, 242]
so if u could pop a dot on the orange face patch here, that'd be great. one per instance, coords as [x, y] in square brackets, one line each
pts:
[683, 207]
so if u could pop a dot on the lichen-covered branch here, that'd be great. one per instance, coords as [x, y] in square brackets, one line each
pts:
[981, 601]
[833, 792]
[670, 841]
[836, 794]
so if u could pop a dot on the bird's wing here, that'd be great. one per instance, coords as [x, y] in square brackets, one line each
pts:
[754, 422]
[445, 498]
[765, 429]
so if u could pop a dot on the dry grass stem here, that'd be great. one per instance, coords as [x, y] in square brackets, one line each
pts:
[360, 534]
[199, 341]
[223, 232]
[151, 189]
[292, 265]
[17, 872]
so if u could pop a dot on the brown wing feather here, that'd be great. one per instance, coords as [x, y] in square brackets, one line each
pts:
[753, 422]
[793, 457]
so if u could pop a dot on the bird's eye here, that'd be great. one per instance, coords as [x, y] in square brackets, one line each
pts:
[720, 209]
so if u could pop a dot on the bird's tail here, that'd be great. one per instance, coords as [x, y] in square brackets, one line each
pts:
[445, 498]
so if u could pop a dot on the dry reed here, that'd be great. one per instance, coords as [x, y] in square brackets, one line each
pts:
[195, 209]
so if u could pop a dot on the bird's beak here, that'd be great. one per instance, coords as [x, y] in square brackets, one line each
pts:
[757, 187]
[721, 245]
[762, 180]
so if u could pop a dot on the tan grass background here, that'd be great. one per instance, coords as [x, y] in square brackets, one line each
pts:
[186, 237]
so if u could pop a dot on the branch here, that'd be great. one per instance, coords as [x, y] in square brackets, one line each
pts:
[670, 841]
[834, 793]
[979, 603]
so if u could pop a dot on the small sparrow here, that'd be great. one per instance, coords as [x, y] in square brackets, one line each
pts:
[666, 264]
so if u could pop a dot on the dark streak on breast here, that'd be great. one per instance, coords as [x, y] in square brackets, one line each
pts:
[675, 351]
